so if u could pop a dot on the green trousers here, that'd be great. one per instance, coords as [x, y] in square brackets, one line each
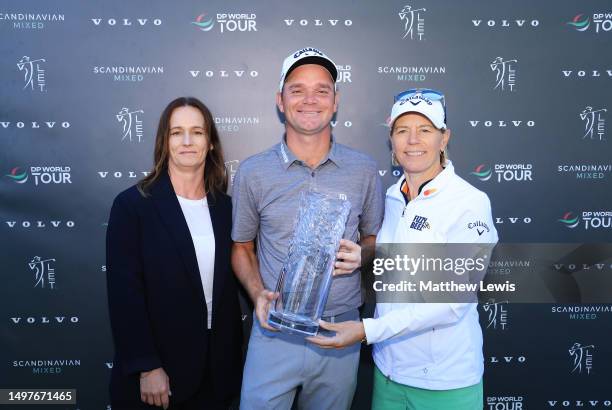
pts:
[389, 395]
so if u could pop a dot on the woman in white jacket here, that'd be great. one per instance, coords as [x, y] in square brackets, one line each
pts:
[427, 355]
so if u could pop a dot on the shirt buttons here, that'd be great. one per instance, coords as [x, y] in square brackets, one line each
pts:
[312, 174]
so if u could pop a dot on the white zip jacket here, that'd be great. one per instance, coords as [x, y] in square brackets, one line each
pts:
[436, 346]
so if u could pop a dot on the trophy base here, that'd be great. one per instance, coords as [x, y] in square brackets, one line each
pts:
[292, 323]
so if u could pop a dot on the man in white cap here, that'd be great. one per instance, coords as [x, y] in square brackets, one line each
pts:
[265, 201]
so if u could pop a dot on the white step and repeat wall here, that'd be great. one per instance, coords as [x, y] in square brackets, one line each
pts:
[83, 84]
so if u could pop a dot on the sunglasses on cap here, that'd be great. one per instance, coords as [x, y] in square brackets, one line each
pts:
[425, 92]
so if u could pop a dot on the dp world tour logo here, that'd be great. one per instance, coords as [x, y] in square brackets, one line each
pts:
[569, 220]
[504, 172]
[482, 172]
[203, 23]
[592, 219]
[240, 22]
[602, 22]
[18, 176]
[42, 175]
[580, 23]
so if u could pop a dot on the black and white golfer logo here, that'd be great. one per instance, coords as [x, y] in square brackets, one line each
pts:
[43, 271]
[583, 357]
[131, 123]
[34, 73]
[497, 314]
[505, 73]
[594, 122]
[409, 17]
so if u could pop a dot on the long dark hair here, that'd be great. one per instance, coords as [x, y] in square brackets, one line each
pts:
[215, 175]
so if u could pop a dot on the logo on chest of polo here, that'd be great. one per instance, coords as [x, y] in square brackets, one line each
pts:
[419, 223]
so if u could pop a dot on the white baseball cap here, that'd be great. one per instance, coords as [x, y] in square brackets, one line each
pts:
[307, 55]
[430, 103]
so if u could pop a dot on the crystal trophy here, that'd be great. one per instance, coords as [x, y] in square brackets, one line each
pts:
[305, 277]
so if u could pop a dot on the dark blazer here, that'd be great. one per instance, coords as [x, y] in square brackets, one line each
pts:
[156, 301]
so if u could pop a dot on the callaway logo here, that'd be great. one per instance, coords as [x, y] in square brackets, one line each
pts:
[416, 100]
[307, 50]
[480, 226]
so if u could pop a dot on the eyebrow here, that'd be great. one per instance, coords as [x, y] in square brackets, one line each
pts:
[318, 85]
[420, 126]
[195, 126]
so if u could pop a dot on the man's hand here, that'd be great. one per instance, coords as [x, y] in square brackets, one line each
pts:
[347, 333]
[262, 307]
[348, 257]
[155, 388]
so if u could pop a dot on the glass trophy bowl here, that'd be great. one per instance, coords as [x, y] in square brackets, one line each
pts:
[306, 275]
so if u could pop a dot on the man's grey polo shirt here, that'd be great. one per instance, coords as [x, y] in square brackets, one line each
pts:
[265, 200]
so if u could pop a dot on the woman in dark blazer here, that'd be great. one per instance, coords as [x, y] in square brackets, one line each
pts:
[168, 265]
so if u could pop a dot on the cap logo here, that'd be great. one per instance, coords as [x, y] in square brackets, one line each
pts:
[307, 50]
[416, 100]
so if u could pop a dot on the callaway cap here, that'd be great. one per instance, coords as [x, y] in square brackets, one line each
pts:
[307, 55]
[422, 102]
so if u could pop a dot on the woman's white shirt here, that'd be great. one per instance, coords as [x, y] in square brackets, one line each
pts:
[197, 215]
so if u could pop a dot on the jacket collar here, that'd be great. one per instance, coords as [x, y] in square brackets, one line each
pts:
[431, 189]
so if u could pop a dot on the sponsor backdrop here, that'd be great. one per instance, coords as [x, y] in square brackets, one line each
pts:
[528, 90]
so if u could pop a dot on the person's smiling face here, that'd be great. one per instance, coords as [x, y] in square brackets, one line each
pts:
[417, 144]
[308, 100]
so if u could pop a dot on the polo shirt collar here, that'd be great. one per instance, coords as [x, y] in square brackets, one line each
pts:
[287, 157]
[332, 155]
